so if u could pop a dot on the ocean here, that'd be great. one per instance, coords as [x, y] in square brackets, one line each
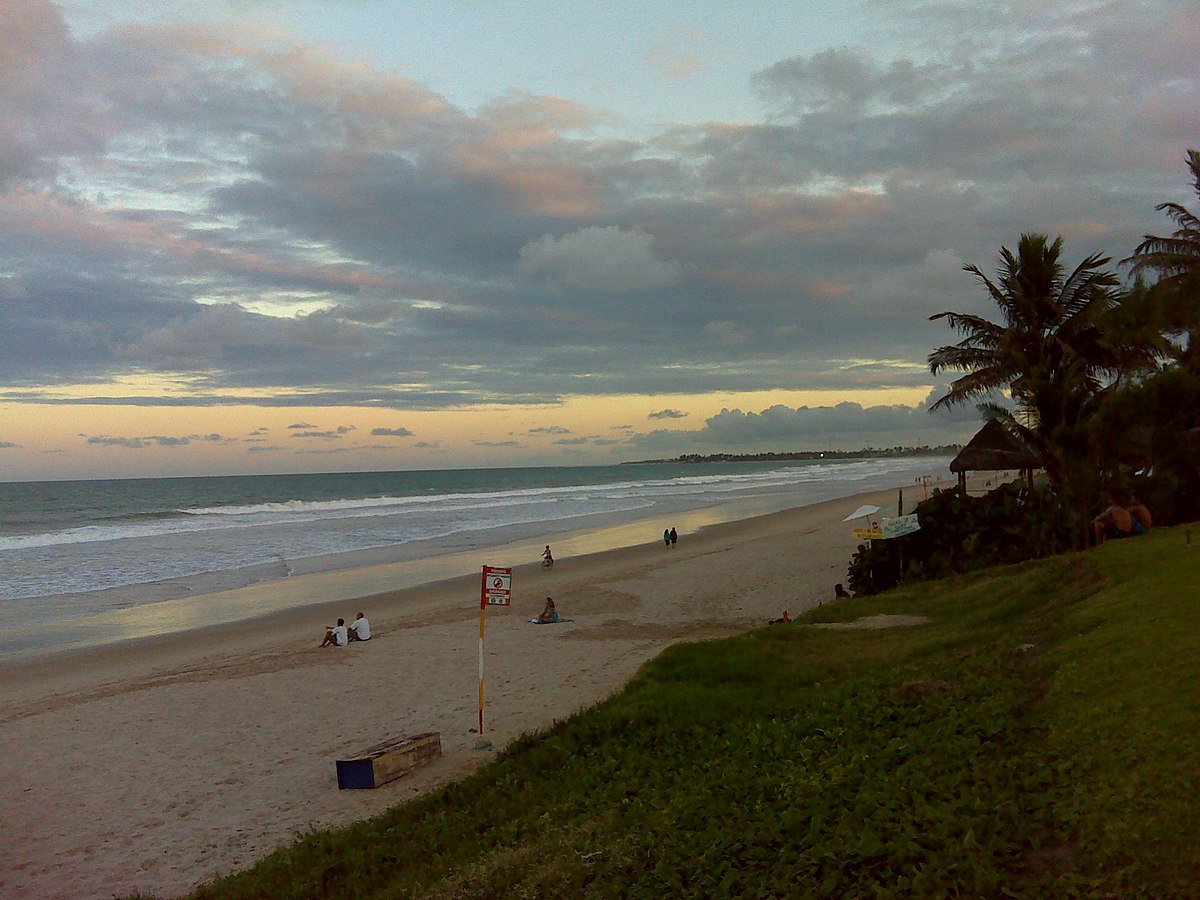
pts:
[75, 555]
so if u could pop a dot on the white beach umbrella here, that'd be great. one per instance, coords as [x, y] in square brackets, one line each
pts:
[860, 512]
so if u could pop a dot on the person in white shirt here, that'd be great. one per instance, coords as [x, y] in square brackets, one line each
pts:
[336, 636]
[360, 629]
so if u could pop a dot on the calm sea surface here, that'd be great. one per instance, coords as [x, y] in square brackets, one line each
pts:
[70, 550]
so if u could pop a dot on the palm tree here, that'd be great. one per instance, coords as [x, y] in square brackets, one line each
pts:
[1176, 259]
[1051, 351]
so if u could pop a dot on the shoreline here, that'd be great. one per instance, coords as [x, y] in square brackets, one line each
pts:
[259, 593]
[185, 756]
[391, 584]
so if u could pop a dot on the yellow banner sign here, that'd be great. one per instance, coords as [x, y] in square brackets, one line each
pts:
[867, 534]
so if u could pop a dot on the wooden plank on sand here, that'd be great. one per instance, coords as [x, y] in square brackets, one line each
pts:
[388, 761]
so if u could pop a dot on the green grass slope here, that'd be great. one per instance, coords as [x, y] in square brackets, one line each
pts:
[1036, 737]
[1123, 718]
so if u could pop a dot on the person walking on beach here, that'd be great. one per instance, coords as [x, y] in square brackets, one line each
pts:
[674, 535]
[335, 636]
[666, 537]
[360, 629]
[547, 558]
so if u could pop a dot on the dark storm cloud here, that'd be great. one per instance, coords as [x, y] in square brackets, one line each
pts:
[267, 222]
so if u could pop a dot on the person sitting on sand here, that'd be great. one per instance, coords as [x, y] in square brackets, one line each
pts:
[360, 629]
[549, 615]
[1141, 515]
[1114, 522]
[335, 636]
[840, 593]
[547, 558]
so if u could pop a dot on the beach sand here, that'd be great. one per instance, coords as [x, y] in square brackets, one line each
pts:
[162, 763]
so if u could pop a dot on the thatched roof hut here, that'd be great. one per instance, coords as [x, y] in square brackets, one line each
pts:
[993, 450]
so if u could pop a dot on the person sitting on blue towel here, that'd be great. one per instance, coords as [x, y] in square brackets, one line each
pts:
[549, 615]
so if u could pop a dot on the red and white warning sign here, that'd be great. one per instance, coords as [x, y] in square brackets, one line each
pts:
[497, 587]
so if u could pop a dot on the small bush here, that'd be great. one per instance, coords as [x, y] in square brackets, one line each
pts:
[959, 533]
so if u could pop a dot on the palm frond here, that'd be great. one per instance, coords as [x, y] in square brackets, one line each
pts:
[1180, 215]
[979, 330]
[1168, 256]
[970, 387]
[962, 358]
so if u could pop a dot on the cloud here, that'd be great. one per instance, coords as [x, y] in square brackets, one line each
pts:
[8, 445]
[605, 259]
[845, 426]
[391, 432]
[846, 80]
[727, 332]
[332, 435]
[666, 414]
[273, 226]
[553, 429]
[844, 420]
[157, 440]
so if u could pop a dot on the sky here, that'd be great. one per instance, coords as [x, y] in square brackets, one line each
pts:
[260, 236]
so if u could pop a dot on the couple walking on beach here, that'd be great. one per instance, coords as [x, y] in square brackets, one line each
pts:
[670, 537]
[340, 635]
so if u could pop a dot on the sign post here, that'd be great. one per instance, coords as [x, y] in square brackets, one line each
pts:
[496, 590]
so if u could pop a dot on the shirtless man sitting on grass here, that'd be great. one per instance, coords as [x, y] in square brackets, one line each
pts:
[1116, 521]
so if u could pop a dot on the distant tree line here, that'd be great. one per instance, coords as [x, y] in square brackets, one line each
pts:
[783, 456]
